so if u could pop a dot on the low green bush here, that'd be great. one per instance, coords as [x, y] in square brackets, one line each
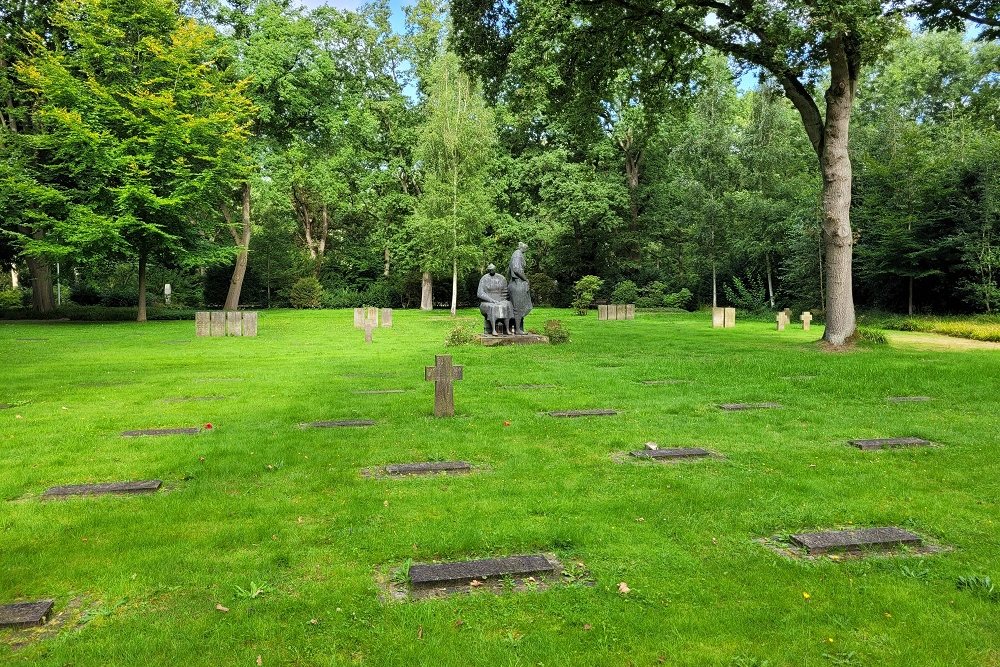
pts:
[306, 293]
[342, 297]
[679, 299]
[14, 298]
[459, 335]
[871, 336]
[556, 332]
[584, 291]
[625, 292]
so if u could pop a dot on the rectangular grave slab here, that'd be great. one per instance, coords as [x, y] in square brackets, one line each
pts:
[583, 413]
[671, 453]
[161, 431]
[145, 486]
[376, 392]
[250, 323]
[342, 423]
[427, 468]
[25, 614]
[856, 540]
[736, 407]
[463, 572]
[909, 399]
[602, 312]
[234, 323]
[202, 323]
[217, 326]
[890, 443]
[5, 406]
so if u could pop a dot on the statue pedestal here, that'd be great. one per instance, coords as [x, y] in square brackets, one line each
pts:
[526, 339]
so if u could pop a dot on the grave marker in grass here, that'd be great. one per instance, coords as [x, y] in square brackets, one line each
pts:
[25, 614]
[738, 407]
[671, 453]
[369, 326]
[443, 373]
[459, 573]
[386, 318]
[109, 488]
[806, 318]
[889, 443]
[427, 468]
[341, 423]
[160, 432]
[909, 399]
[862, 539]
[583, 413]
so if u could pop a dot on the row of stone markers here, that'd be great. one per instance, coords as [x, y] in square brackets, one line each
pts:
[784, 318]
[226, 323]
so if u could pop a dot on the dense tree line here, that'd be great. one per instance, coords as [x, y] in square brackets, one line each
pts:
[255, 152]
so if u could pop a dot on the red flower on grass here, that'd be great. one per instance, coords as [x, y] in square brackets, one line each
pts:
[208, 426]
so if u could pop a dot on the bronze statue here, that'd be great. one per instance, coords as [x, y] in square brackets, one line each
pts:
[497, 310]
[519, 289]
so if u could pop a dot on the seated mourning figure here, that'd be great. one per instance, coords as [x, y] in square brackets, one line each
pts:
[495, 305]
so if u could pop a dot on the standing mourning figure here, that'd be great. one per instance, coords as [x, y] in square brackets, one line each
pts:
[520, 294]
[497, 310]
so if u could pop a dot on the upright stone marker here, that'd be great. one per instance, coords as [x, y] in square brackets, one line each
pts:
[218, 326]
[443, 373]
[630, 311]
[602, 312]
[371, 314]
[250, 323]
[359, 318]
[202, 323]
[369, 325]
[730, 317]
[387, 318]
[788, 315]
[806, 318]
[25, 614]
[234, 323]
[781, 321]
[718, 318]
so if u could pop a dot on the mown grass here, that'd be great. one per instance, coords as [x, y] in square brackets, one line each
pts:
[975, 327]
[260, 504]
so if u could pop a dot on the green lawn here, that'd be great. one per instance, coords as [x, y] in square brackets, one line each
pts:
[257, 499]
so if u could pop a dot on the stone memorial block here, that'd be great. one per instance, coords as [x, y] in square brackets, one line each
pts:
[736, 407]
[630, 311]
[788, 315]
[250, 323]
[427, 468]
[602, 312]
[161, 431]
[464, 572]
[342, 423]
[117, 488]
[218, 325]
[387, 318]
[856, 540]
[781, 321]
[889, 443]
[25, 614]
[806, 318]
[730, 317]
[359, 318]
[202, 323]
[443, 374]
[718, 318]
[371, 315]
[671, 453]
[909, 399]
[583, 413]
[234, 323]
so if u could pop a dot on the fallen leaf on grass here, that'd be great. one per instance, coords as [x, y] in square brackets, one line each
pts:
[260, 661]
[475, 583]
[420, 632]
[313, 621]
[623, 588]
[219, 607]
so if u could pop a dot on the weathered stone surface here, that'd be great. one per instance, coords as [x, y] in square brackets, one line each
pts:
[145, 486]
[202, 323]
[342, 423]
[192, 399]
[359, 318]
[161, 431]
[522, 339]
[602, 312]
[250, 323]
[735, 407]
[730, 317]
[630, 311]
[25, 614]
[890, 443]
[718, 318]
[427, 468]
[375, 392]
[443, 373]
[529, 387]
[671, 453]
[909, 399]
[583, 413]
[217, 326]
[855, 540]
[806, 318]
[463, 572]
[387, 318]
[234, 323]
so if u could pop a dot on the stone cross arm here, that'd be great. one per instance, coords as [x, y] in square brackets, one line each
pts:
[440, 370]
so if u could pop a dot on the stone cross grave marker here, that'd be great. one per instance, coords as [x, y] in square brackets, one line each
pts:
[806, 318]
[25, 614]
[369, 325]
[788, 315]
[781, 321]
[443, 373]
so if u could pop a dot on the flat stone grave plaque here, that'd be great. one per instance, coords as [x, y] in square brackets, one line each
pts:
[529, 386]
[145, 486]
[736, 407]
[5, 406]
[519, 339]
[890, 443]
[653, 383]
[909, 399]
[161, 431]
[25, 614]
[583, 413]
[192, 399]
[463, 572]
[375, 392]
[341, 423]
[855, 540]
[671, 453]
[427, 468]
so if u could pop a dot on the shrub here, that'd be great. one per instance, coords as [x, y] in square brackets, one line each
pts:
[342, 297]
[654, 295]
[679, 299]
[544, 289]
[85, 294]
[625, 292]
[584, 291]
[871, 336]
[556, 333]
[378, 295]
[459, 335]
[748, 295]
[121, 297]
[306, 293]
[14, 298]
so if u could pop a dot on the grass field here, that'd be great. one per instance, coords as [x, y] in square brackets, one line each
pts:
[260, 504]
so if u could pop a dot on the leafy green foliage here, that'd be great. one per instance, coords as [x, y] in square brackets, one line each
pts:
[306, 293]
[625, 292]
[460, 334]
[748, 295]
[871, 336]
[980, 586]
[584, 292]
[556, 332]
[13, 298]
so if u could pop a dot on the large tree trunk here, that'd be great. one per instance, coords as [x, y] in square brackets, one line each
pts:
[243, 241]
[835, 162]
[141, 317]
[42, 299]
[426, 291]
